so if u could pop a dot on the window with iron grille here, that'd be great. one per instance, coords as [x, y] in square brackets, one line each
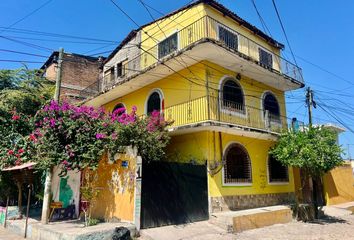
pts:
[168, 45]
[154, 103]
[228, 38]
[277, 172]
[237, 168]
[232, 96]
[265, 58]
[120, 70]
[270, 104]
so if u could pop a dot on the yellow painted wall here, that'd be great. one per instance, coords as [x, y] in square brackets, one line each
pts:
[200, 146]
[175, 90]
[116, 196]
[152, 34]
[339, 185]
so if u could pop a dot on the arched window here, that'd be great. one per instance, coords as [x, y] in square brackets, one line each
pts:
[271, 107]
[232, 96]
[276, 171]
[119, 109]
[237, 168]
[154, 102]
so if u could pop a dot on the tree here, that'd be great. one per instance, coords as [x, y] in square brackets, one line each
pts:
[24, 90]
[314, 150]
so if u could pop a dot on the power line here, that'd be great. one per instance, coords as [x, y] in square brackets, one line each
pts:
[24, 53]
[28, 15]
[264, 25]
[283, 29]
[38, 47]
[56, 35]
[18, 61]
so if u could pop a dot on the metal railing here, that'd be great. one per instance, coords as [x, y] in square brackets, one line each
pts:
[209, 108]
[209, 28]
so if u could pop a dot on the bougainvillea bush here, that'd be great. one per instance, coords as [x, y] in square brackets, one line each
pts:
[70, 136]
[76, 137]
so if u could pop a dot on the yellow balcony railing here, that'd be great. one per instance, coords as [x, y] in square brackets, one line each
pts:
[218, 111]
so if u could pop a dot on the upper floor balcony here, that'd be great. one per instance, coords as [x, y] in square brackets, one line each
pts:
[211, 40]
[211, 111]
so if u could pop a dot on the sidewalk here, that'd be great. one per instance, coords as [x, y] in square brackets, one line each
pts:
[7, 235]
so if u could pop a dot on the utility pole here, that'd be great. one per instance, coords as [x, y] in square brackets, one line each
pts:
[310, 102]
[49, 171]
[314, 182]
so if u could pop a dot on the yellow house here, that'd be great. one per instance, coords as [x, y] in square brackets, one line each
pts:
[222, 81]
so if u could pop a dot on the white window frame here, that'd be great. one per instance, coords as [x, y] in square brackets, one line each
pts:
[159, 91]
[230, 30]
[276, 183]
[262, 108]
[221, 98]
[167, 36]
[266, 50]
[223, 168]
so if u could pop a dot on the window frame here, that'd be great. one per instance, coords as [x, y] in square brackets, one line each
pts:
[242, 114]
[115, 107]
[123, 69]
[264, 95]
[169, 36]
[237, 184]
[270, 53]
[162, 101]
[232, 32]
[276, 182]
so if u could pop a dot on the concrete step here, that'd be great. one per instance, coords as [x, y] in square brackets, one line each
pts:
[238, 221]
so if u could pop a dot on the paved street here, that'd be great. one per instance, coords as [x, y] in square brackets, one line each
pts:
[340, 226]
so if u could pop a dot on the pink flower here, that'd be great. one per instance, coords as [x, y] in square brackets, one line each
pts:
[21, 150]
[10, 152]
[15, 117]
[52, 122]
[134, 108]
[100, 135]
[65, 162]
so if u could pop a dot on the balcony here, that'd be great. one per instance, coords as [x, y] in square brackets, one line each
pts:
[209, 111]
[204, 40]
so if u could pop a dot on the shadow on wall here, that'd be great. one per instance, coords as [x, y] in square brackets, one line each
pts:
[339, 185]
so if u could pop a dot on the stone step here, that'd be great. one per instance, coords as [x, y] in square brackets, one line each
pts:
[238, 221]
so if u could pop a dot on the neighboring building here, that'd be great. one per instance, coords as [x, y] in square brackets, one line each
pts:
[80, 74]
[223, 82]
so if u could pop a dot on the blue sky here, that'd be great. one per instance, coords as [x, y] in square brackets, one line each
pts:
[320, 32]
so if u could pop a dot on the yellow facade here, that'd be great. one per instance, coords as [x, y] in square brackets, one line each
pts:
[191, 96]
[202, 146]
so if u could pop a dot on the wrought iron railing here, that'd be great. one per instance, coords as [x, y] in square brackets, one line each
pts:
[214, 109]
[209, 28]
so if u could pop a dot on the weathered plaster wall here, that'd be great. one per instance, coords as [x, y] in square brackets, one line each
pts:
[116, 185]
[66, 189]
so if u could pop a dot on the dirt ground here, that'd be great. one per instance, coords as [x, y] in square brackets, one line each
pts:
[336, 226]
[326, 229]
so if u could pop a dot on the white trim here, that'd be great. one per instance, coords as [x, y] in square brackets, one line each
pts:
[227, 111]
[267, 51]
[264, 94]
[126, 110]
[228, 29]
[167, 36]
[159, 91]
[268, 177]
[246, 184]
